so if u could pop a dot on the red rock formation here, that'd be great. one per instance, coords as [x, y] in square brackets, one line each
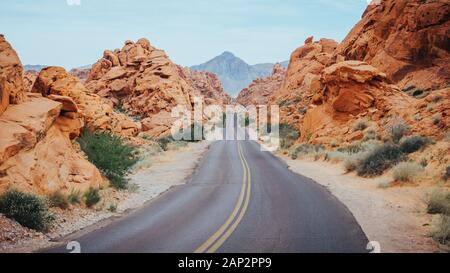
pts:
[11, 85]
[81, 74]
[406, 39]
[56, 83]
[29, 77]
[258, 92]
[206, 85]
[36, 152]
[350, 90]
[144, 82]
[302, 80]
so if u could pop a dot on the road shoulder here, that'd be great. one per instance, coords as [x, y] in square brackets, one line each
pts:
[394, 217]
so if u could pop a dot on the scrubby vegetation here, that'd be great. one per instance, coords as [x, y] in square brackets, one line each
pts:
[439, 202]
[407, 171]
[442, 230]
[397, 130]
[360, 125]
[413, 144]
[58, 199]
[74, 197]
[379, 160]
[28, 210]
[288, 135]
[303, 149]
[109, 154]
[92, 197]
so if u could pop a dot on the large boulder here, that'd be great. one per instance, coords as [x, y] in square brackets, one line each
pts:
[406, 39]
[302, 79]
[11, 84]
[55, 83]
[36, 151]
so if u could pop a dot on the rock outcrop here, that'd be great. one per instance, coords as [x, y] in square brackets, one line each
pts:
[259, 91]
[409, 40]
[11, 85]
[29, 77]
[81, 73]
[145, 83]
[36, 152]
[206, 85]
[348, 91]
[302, 80]
[57, 84]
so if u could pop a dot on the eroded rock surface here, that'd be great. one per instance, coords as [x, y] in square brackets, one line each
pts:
[259, 91]
[406, 39]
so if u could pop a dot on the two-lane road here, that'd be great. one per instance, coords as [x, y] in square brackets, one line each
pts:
[240, 199]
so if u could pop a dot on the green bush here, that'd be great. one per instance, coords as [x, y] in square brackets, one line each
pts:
[92, 197]
[439, 202]
[58, 199]
[441, 233]
[352, 161]
[28, 210]
[109, 154]
[397, 130]
[407, 171]
[379, 160]
[414, 143]
[288, 135]
[74, 197]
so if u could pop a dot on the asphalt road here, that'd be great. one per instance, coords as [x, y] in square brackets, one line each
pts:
[240, 199]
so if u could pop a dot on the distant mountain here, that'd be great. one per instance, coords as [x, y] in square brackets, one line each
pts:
[34, 67]
[234, 73]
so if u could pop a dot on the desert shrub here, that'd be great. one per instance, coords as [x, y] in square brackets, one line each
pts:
[74, 197]
[360, 125]
[358, 147]
[303, 149]
[371, 134]
[164, 142]
[336, 156]
[446, 175]
[58, 199]
[28, 210]
[439, 202]
[441, 232]
[352, 161]
[334, 143]
[110, 154]
[397, 130]
[288, 135]
[112, 208]
[146, 154]
[414, 143]
[407, 171]
[379, 160]
[437, 118]
[92, 197]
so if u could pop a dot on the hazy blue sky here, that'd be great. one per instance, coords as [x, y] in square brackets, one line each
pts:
[52, 32]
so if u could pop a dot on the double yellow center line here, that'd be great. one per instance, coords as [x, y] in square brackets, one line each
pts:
[224, 232]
